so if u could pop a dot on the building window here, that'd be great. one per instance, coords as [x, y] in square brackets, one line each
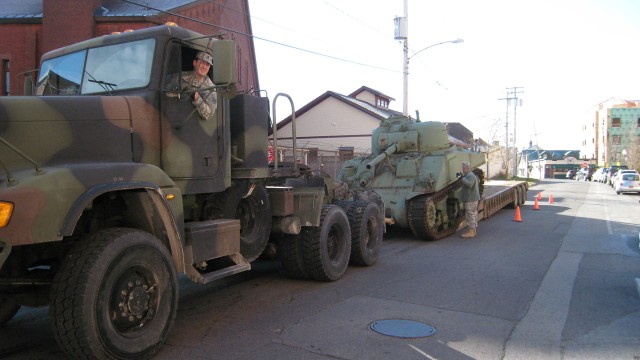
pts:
[6, 78]
[615, 139]
[381, 102]
[615, 122]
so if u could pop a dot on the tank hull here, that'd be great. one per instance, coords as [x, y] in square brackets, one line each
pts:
[416, 171]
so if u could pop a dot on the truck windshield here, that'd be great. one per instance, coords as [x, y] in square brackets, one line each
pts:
[98, 70]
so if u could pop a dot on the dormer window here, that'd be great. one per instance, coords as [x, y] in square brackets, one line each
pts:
[382, 102]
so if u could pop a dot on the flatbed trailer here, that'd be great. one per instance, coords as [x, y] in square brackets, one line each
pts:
[498, 194]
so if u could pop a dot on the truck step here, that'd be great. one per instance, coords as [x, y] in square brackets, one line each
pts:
[220, 268]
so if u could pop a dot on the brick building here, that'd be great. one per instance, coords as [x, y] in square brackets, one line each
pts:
[30, 28]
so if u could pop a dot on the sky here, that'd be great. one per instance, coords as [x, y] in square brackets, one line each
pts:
[563, 56]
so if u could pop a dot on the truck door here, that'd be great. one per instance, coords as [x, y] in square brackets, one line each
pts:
[193, 151]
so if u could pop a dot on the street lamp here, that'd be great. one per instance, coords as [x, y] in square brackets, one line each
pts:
[405, 107]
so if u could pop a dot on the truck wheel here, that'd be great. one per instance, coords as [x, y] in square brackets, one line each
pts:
[115, 296]
[254, 213]
[326, 248]
[289, 249]
[8, 308]
[367, 226]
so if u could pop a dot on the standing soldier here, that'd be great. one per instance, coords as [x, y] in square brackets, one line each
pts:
[470, 198]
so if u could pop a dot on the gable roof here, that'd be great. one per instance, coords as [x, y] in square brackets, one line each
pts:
[366, 88]
[376, 112]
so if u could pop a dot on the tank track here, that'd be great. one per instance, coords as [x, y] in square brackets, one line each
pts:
[417, 214]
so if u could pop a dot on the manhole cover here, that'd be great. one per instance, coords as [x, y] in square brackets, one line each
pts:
[402, 328]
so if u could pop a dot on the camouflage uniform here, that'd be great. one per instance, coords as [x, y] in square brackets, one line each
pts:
[470, 197]
[208, 102]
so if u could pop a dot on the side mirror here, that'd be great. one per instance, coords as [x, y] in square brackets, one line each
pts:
[28, 85]
[225, 62]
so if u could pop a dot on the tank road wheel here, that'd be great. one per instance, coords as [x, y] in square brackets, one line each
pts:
[326, 248]
[289, 249]
[115, 296]
[253, 211]
[367, 226]
[8, 308]
[423, 217]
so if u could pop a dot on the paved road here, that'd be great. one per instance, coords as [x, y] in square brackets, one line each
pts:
[561, 284]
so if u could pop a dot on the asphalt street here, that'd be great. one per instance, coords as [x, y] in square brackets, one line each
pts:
[560, 284]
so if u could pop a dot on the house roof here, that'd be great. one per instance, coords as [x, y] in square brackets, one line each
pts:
[532, 154]
[17, 10]
[376, 112]
[366, 88]
[117, 8]
[21, 9]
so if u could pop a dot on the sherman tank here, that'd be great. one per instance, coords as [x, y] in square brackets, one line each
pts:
[416, 170]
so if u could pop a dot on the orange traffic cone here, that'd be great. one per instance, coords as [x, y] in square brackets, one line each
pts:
[539, 197]
[535, 205]
[550, 199]
[518, 218]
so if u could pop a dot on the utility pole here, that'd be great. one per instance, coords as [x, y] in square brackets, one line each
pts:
[402, 33]
[540, 175]
[512, 94]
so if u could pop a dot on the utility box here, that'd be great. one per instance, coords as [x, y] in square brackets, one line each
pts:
[401, 28]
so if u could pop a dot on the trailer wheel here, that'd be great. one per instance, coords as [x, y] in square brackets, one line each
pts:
[367, 226]
[515, 201]
[254, 213]
[115, 296]
[523, 194]
[326, 248]
[480, 175]
[8, 308]
[289, 250]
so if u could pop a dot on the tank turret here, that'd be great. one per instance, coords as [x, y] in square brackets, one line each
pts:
[415, 169]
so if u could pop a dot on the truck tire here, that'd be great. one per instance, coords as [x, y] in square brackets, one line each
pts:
[253, 211]
[289, 249]
[326, 248]
[115, 296]
[8, 308]
[367, 227]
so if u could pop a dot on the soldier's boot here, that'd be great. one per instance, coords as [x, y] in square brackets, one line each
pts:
[471, 233]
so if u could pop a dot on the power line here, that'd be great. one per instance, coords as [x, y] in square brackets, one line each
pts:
[263, 39]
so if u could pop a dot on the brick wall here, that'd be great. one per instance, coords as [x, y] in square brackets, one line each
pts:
[69, 21]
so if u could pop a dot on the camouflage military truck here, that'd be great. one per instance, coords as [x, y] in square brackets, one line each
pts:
[112, 185]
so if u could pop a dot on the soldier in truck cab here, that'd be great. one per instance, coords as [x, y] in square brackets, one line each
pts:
[205, 100]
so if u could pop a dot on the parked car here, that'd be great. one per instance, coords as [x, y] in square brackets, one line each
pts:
[612, 170]
[585, 174]
[571, 174]
[600, 175]
[627, 181]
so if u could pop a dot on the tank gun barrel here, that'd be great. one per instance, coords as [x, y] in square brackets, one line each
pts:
[390, 150]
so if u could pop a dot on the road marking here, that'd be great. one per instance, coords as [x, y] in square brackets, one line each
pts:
[538, 335]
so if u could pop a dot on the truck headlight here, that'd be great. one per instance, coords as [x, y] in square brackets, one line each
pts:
[6, 209]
